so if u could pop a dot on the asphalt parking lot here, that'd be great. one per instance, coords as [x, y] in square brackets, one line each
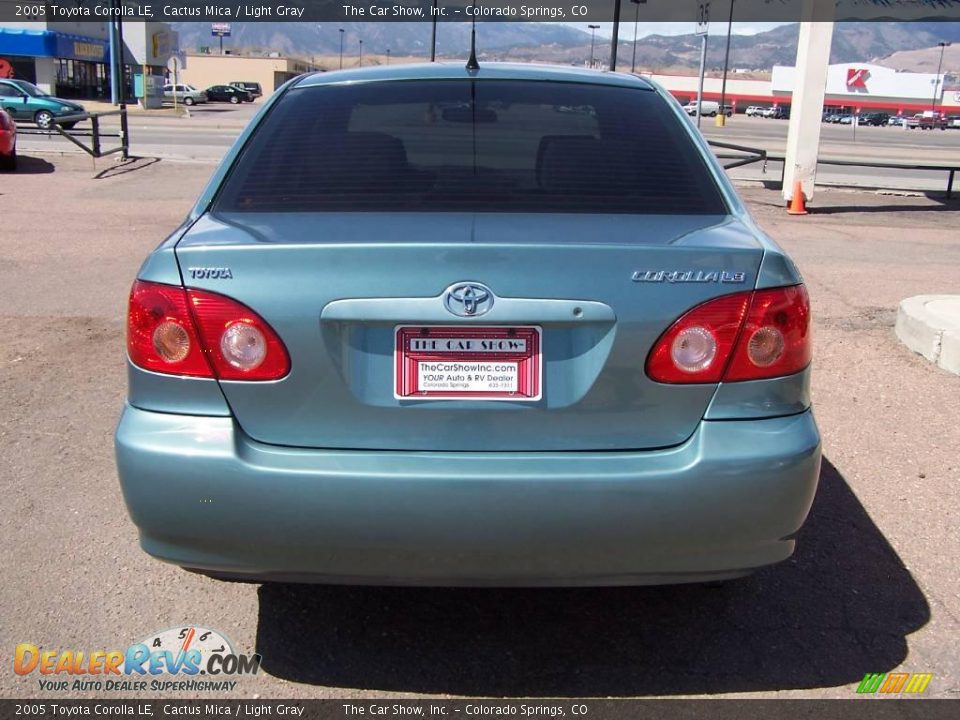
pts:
[872, 588]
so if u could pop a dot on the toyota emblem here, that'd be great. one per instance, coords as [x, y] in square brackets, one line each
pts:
[468, 299]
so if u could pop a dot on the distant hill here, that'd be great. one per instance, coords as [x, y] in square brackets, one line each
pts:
[553, 42]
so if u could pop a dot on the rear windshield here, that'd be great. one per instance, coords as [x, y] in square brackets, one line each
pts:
[482, 146]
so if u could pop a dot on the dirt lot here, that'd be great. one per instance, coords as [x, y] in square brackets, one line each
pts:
[873, 586]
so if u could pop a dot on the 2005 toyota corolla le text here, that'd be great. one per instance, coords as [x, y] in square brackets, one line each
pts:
[635, 404]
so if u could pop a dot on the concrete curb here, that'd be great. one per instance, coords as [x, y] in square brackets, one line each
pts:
[930, 325]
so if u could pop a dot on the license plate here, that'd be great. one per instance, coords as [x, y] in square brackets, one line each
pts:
[444, 362]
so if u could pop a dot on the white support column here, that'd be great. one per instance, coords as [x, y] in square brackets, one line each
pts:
[46, 69]
[806, 108]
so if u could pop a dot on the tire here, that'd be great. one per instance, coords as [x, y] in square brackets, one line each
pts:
[8, 163]
[188, 100]
[713, 114]
[234, 100]
[43, 119]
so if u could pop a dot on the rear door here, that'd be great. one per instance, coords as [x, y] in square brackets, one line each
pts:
[582, 217]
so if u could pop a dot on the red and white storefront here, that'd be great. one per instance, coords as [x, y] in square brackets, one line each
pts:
[851, 87]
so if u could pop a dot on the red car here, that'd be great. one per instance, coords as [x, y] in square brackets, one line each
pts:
[8, 142]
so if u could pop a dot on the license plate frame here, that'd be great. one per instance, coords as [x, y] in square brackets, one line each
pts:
[519, 371]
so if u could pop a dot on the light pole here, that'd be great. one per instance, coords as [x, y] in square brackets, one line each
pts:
[433, 33]
[593, 37]
[636, 19]
[341, 48]
[361, 53]
[722, 115]
[936, 80]
[388, 56]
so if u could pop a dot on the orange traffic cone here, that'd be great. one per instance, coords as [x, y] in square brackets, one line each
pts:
[798, 204]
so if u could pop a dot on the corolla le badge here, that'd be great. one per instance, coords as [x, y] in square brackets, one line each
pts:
[688, 276]
[468, 299]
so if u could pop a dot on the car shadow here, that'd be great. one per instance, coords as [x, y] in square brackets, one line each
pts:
[28, 165]
[841, 607]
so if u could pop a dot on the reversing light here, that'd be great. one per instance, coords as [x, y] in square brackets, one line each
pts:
[243, 346]
[693, 349]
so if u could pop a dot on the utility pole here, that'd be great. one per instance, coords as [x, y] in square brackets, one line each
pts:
[388, 56]
[636, 20]
[937, 82]
[593, 36]
[341, 48]
[703, 28]
[361, 53]
[433, 34]
[615, 36]
[722, 115]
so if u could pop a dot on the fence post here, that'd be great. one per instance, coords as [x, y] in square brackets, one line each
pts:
[95, 122]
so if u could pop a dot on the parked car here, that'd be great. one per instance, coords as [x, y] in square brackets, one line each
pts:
[25, 101]
[781, 112]
[183, 93]
[846, 119]
[953, 121]
[896, 120]
[381, 366]
[875, 119]
[709, 108]
[927, 120]
[251, 87]
[8, 142]
[227, 93]
[753, 110]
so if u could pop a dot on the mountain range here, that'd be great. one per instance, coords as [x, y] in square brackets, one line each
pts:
[553, 42]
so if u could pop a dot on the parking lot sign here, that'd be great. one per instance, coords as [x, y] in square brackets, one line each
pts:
[703, 16]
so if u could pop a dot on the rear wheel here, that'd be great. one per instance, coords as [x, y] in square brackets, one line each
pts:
[234, 100]
[44, 119]
[8, 163]
[713, 114]
[188, 100]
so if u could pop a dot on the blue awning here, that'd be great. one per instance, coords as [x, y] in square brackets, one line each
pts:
[28, 43]
[47, 43]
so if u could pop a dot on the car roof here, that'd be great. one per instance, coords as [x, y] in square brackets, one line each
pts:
[487, 71]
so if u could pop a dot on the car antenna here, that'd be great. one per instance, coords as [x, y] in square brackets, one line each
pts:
[472, 63]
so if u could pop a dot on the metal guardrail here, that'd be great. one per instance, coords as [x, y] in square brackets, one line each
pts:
[95, 133]
[761, 155]
[753, 154]
[951, 170]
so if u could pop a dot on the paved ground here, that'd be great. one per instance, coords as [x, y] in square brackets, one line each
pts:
[873, 586]
[211, 128]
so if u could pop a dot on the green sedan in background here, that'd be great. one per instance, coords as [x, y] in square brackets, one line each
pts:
[26, 102]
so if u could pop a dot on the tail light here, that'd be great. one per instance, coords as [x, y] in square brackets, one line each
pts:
[196, 333]
[745, 336]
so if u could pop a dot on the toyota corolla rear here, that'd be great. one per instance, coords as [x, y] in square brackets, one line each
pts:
[501, 327]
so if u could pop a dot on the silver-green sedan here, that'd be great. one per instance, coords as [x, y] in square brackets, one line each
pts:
[440, 326]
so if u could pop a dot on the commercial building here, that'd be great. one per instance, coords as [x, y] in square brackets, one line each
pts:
[202, 71]
[853, 87]
[72, 59]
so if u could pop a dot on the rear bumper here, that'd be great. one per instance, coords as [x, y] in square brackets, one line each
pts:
[207, 497]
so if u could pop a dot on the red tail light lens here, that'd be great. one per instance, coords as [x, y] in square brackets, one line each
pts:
[196, 333]
[776, 336]
[745, 336]
[160, 333]
[717, 321]
[240, 344]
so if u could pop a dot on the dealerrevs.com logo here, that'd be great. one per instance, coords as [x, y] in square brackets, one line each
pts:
[188, 659]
